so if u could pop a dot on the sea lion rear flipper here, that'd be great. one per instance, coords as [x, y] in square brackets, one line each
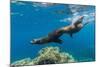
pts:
[58, 41]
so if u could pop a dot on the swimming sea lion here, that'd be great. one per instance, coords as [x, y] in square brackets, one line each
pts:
[74, 27]
[51, 37]
[55, 35]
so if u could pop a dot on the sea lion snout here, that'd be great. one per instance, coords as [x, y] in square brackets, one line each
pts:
[81, 17]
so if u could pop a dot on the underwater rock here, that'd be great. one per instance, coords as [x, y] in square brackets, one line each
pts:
[48, 55]
[21, 62]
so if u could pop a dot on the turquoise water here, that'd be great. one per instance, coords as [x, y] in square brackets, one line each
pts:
[31, 20]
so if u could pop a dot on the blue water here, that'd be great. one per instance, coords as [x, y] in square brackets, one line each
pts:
[29, 22]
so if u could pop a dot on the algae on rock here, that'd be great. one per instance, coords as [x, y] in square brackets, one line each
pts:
[47, 55]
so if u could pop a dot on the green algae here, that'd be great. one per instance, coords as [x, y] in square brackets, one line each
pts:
[47, 55]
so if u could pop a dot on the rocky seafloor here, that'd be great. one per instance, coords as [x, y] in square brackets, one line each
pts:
[47, 55]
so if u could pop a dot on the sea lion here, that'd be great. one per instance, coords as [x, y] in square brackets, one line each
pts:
[51, 37]
[74, 27]
[55, 35]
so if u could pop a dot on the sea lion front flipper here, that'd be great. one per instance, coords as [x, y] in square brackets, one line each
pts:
[71, 35]
[58, 41]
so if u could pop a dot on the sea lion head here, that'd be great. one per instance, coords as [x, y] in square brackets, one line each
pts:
[79, 21]
[80, 25]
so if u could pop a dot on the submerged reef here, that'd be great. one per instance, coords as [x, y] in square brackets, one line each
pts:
[47, 55]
